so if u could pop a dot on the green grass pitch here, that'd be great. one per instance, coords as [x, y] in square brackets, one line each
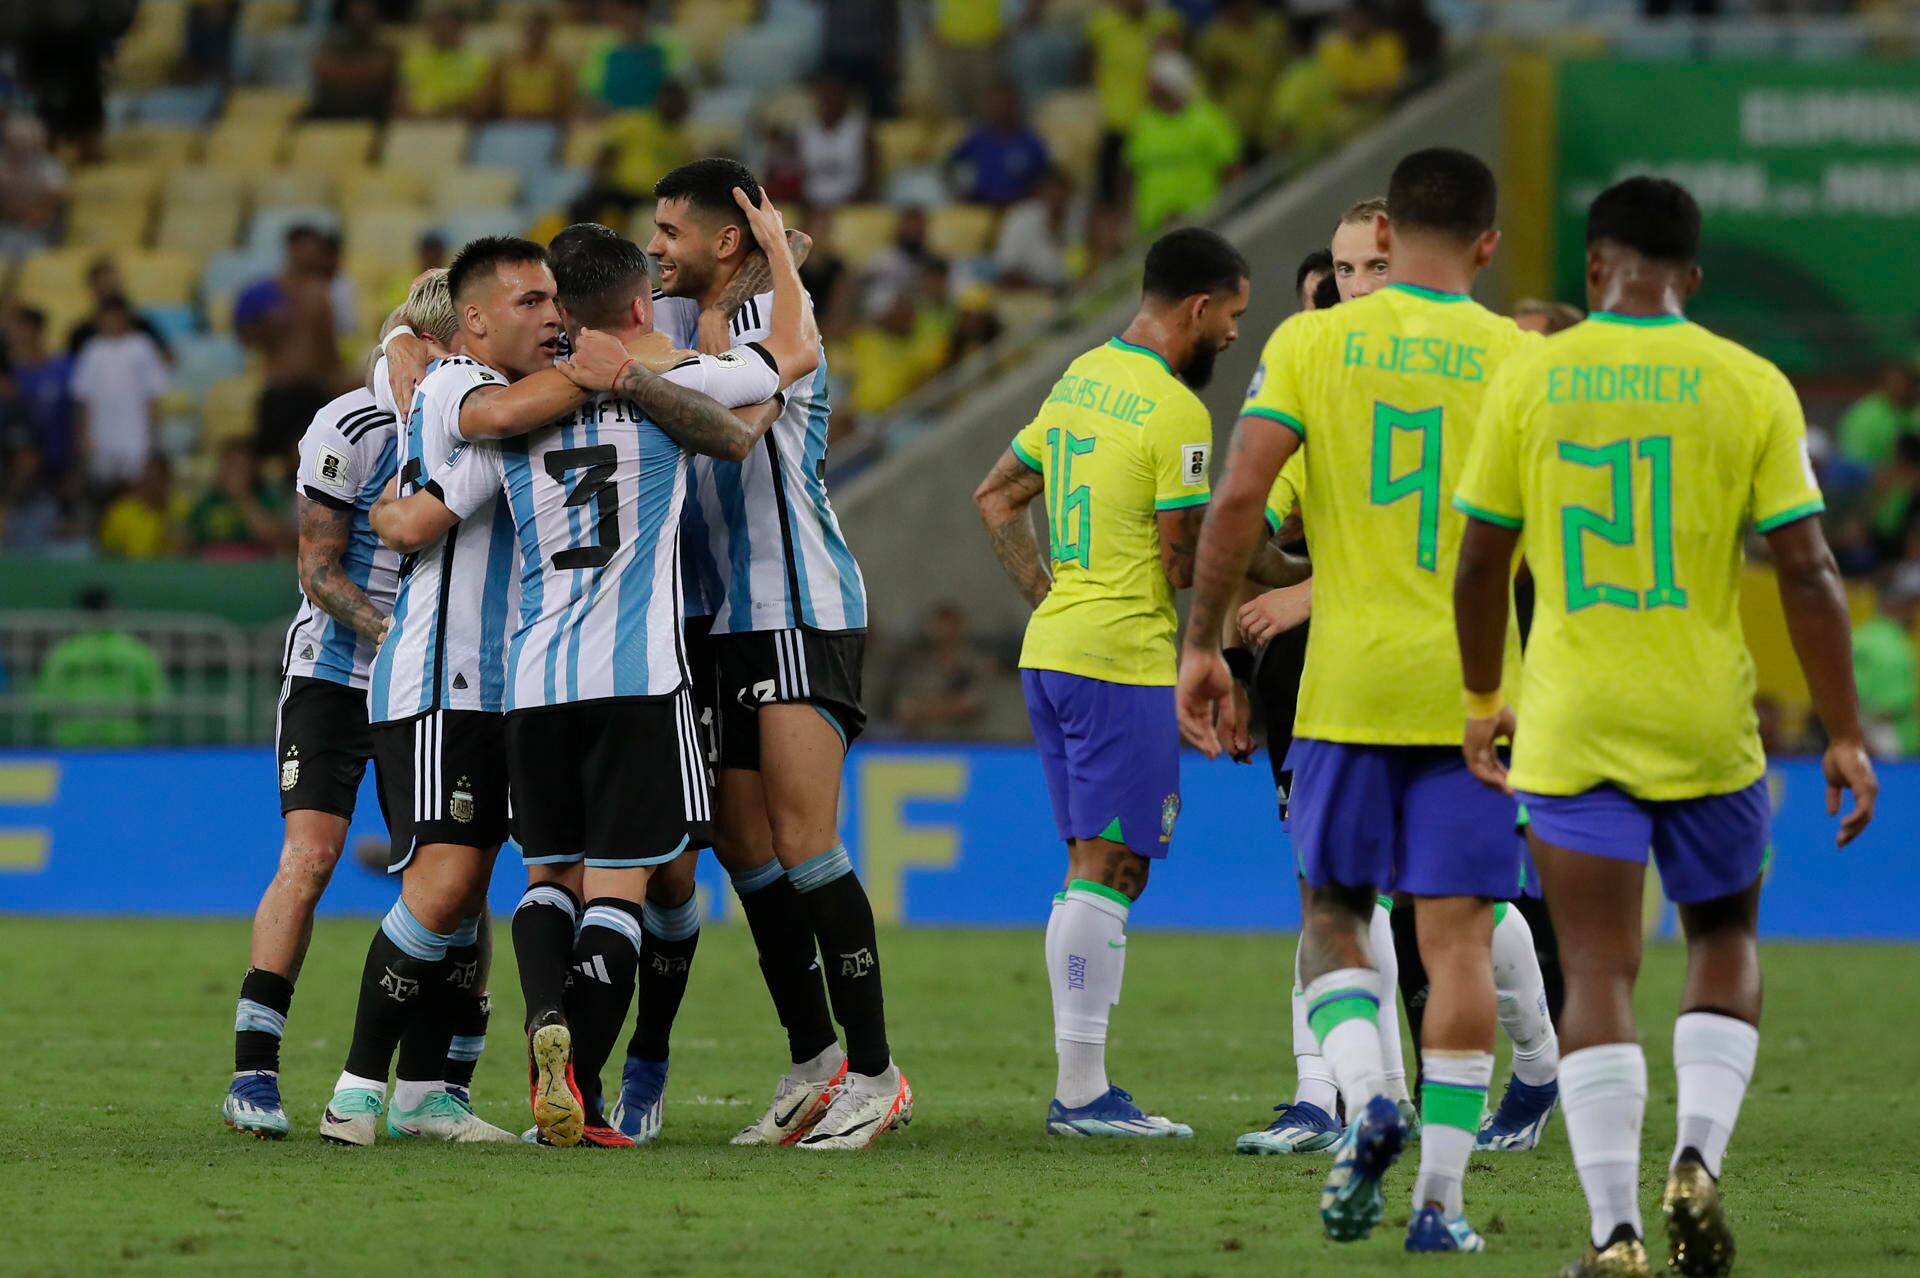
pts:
[115, 1161]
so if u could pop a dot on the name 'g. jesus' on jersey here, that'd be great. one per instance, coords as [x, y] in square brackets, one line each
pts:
[595, 503]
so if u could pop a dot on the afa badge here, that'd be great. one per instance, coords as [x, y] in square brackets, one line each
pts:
[460, 802]
[290, 769]
[1169, 813]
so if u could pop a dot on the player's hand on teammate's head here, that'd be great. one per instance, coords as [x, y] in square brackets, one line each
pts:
[597, 360]
[657, 352]
[1847, 767]
[1479, 746]
[1204, 683]
[769, 228]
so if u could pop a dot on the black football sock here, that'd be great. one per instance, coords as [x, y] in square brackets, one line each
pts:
[788, 962]
[842, 920]
[467, 1016]
[668, 938]
[543, 926]
[406, 965]
[605, 957]
[260, 1020]
[1413, 979]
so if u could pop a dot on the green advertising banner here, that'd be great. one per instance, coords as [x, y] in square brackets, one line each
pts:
[1807, 173]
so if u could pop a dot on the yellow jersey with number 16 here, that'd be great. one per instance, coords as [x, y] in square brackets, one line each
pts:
[1385, 392]
[1633, 454]
[1119, 439]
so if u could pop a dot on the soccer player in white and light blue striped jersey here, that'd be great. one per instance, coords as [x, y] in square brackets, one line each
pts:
[603, 751]
[788, 635]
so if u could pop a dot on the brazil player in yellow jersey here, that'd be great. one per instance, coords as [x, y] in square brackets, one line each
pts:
[1627, 457]
[1381, 395]
[1120, 450]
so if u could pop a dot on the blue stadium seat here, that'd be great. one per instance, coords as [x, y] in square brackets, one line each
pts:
[553, 188]
[178, 104]
[281, 57]
[730, 105]
[917, 187]
[201, 359]
[474, 223]
[269, 227]
[1043, 59]
[227, 273]
[175, 322]
[526, 145]
[770, 57]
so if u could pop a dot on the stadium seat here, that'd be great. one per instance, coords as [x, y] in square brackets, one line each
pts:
[862, 230]
[335, 145]
[425, 146]
[1069, 123]
[1024, 307]
[202, 226]
[764, 58]
[165, 146]
[572, 42]
[260, 16]
[583, 143]
[175, 320]
[386, 188]
[114, 184]
[714, 137]
[148, 52]
[228, 411]
[201, 359]
[554, 189]
[108, 226]
[471, 224]
[190, 104]
[961, 230]
[245, 146]
[392, 234]
[704, 25]
[525, 145]
[283, 56]
[267, 231]
[160, 277]
[54, 275]
[190, 185]
[731, 105]
[278, 188]
[475, 188]
[259, 102]
[917, 188]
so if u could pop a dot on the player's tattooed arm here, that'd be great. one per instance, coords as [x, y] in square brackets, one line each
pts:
[754, 277]
[1179, 539]
[692, 420]
[1003, 500]
[500, 412]
[323, 540]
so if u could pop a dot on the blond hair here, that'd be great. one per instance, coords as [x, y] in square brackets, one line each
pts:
[1365, 211]
[428, 309]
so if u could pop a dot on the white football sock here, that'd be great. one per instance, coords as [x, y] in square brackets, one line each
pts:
[377, 1086]
[822, 1067]
[1393, 1058]
[1603, 1093]
[409, 1093]
[1453, 1092]
[1056, 967]
[1343, 1007]
[1522, 995]
[1713, 1056]
[1313, 1083]
[1091, 961]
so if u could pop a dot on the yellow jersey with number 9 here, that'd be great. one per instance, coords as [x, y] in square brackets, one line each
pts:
[1632, 454]
[1385, 392]
[1119, 439]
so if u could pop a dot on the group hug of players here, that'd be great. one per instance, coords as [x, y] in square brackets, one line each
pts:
[596, 570]
[1434, 453]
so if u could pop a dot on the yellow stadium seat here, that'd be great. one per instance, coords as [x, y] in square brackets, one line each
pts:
[51, 275]
[286, 187]
[1069, 122]
[784, 106]
[713, 137]
[475, 188]
[862, 230]
[704, 25]
[114, 183]
[335, 145]
[961, 230]
[426, 146]
[257, 103]
[573, 41]
[189, 186]
[583, 144]
[1021, 307]
[165, 146]
[257, 17]
[150, 50]
[245, 145]
[899, 144]
[206, 226]
[384, 188]
[494, 38]
[108, 226]
[229, 410]
[160, 277]
[388, 234]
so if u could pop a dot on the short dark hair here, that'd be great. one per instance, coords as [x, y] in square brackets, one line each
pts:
[1442, 190]
[600, 277]
[481, 257]
[1652, 216]
[1326, 294]
[707, 185]
[303, 231]
[1192, 260]
[572, 237]
[33, 316]
[1318, 262]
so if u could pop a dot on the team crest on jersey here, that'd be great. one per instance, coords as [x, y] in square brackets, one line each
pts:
[333, 470]
[1169, 813]
[460, 802]
[290, 769]
[1259, 379]
[728, 358]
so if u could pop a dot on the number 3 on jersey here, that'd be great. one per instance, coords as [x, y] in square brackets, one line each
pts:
[1423, 481]
[596, 486]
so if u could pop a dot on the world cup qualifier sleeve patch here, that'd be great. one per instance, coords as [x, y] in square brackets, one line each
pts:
[334, 471]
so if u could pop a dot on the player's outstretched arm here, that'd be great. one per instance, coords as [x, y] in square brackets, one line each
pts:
[501, 412]
[411, 523]
[1480, 586]
[793, 339]
[1004, 499]
[754, 277]
[324, 532]
[1816, 606]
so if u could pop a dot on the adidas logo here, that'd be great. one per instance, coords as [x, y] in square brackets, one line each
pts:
[595, 967]
[460, 683]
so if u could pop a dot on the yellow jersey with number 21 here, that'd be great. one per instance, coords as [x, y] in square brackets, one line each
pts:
[1632, 454]
[1119, 439]
[1385, 392]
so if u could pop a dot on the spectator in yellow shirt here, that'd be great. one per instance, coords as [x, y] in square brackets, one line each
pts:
[443, 76]
[532, 83]
[892, 356]
[1364, 58]
[966, 49]
[1239, 53]
[1123, 35]
[649, 144]
[1180, 148]
[148, 520]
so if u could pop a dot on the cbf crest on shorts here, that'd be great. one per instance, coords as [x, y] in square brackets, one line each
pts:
[1169, 813]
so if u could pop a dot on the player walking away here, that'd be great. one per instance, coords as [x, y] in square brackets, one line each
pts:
[596, 682]
[435, 699]
[788, 635]
[347, 584]
[1627, 457]
[1388, 387]
[1120, 448]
